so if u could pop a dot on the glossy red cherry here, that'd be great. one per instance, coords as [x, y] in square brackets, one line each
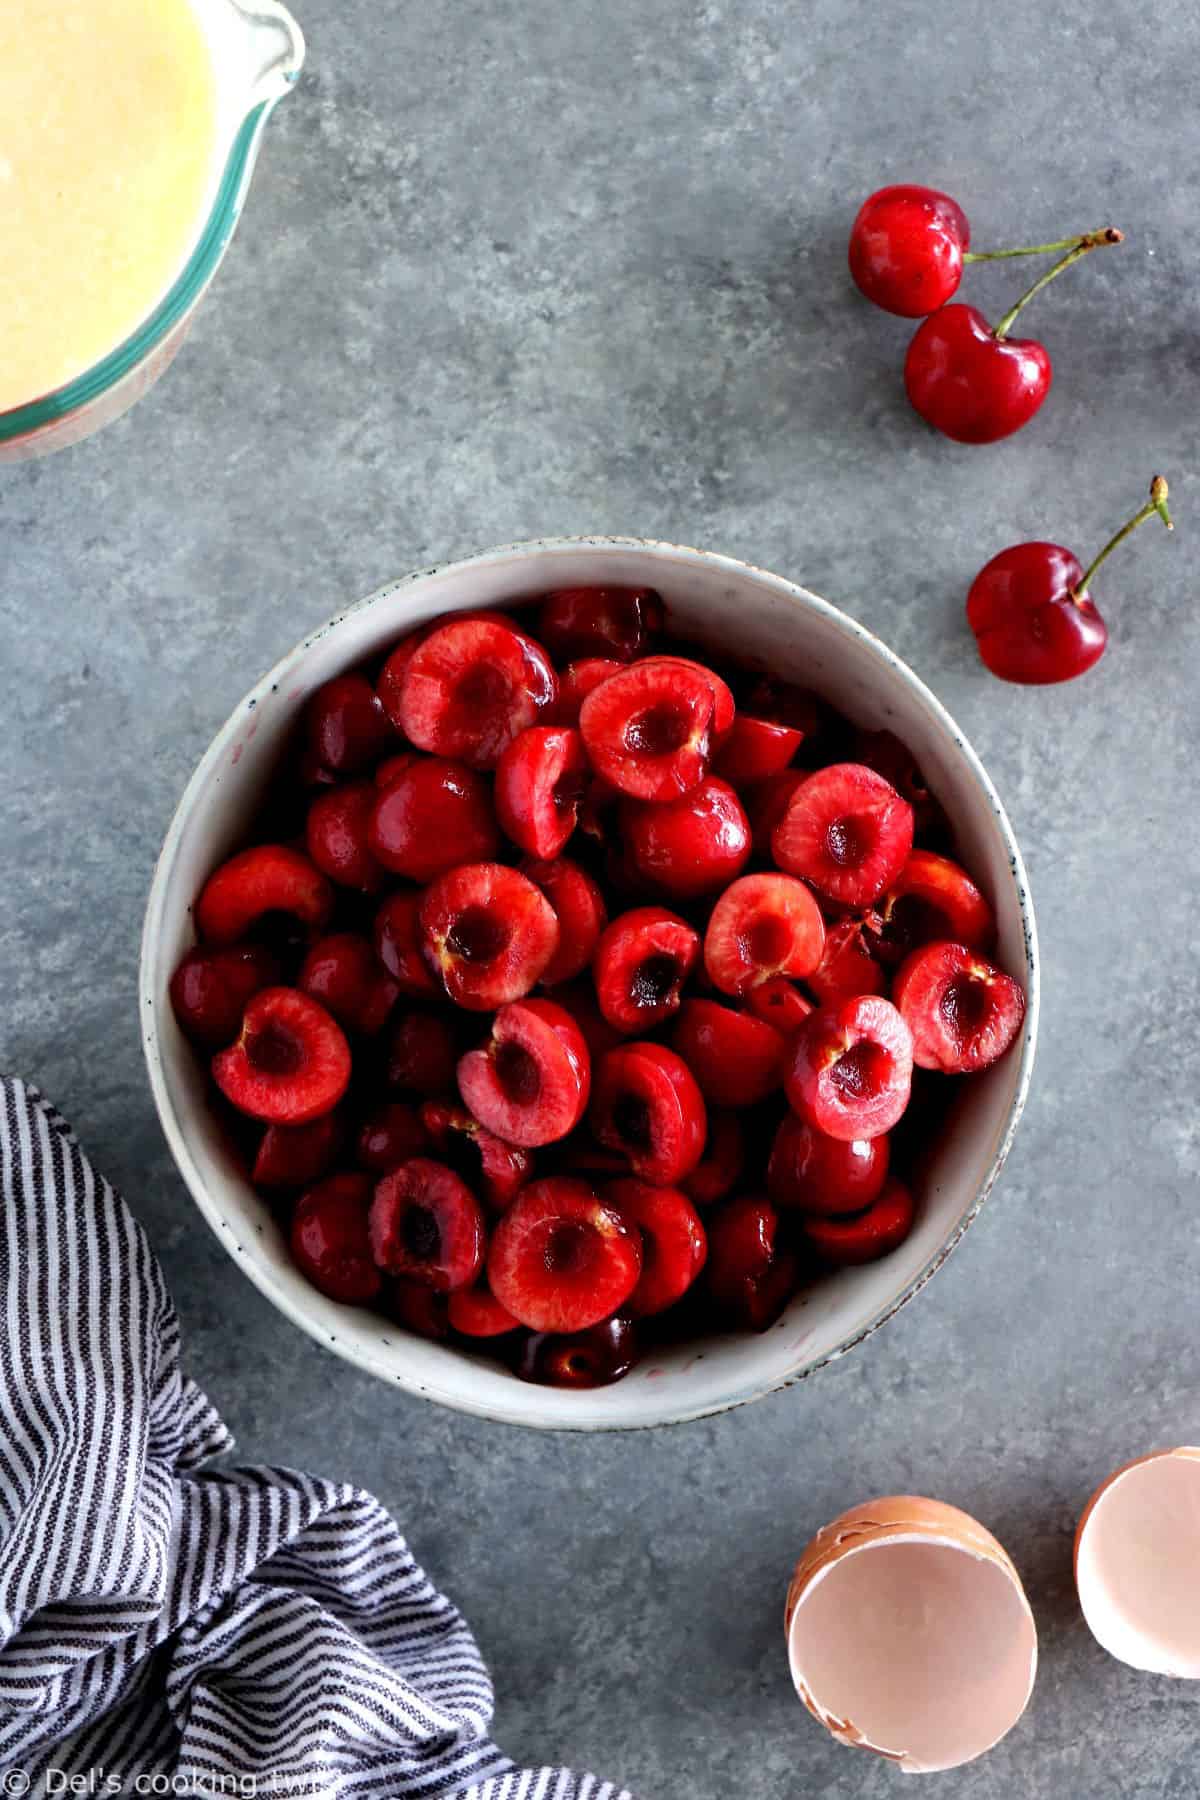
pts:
[906, 249]
[962, 1011]
[581, 1359]
[931, 898]
[476, 1313]
[330, 1242]
[755, 750]
[848, 967]
[976, 384]
[488, 932]
[432, 814]
[292, 1156]
[847, 832]
[736, 1059]
[529, 1084]
[210, 989]
[337, 835]
[561, 1259]
[397, 935]
[718, 1171]
[646, 1104]
[866, 1236]
[762, 926]
[751, 1275]
[690, 846]
[426, 1226]
[470, 688]
[494, 1170]
[580, 910]
[599, 622]
[650, 731]
[819, 1174]
[674, 1244]
[540, 783]
[1032, 612]
[779, 1002]
[575, 683]
[290, 1063]
[270, 878]
[343, 972]
[389, 1136]
[346, 726]
[850, 1070]
[641, 963]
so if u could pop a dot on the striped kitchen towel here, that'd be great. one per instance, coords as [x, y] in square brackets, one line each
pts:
[170, 1628]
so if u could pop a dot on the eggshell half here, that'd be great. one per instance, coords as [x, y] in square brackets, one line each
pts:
[1137, 1563]
[909, 1633]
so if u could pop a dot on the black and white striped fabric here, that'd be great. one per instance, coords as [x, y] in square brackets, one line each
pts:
[171, 1628]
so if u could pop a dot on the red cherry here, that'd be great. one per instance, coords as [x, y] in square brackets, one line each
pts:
[762, 926]
[1031, 610]
[330, 1242]
[291, 1062]
[476, 1313]
[864, 1237]
[963, 1012]
[755, 750]
[641, 963]
[291, 1156]
[847, 968]
[780, 1003]
[931, 898]
[337, 835]
[579, 908]
[529, 1084]
[850, 1072]
[494, 1170]
[737, 1060]
[210, 989]
[422, 1054]
[906, 249]
[540, 784]
[560, 1259]
[489, 933]
[575, 684]
[649, 730]
[580, 1359]
[825, 1175]
[470, 688]
[346, 725]
[718, 1171]
[432, 814]
[270, 878]
[750, 1275]
[426, 1225]
[646, 1103]
[389, 1136]
[418, 1308]
[599, 622]
[674, 1245]
[343, 972]
[847, 831]
[976, 384]
[397, 936]
[690, 846]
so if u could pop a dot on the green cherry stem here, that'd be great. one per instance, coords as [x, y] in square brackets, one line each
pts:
[1026, 250]
[1080, 247]
[1157, 503]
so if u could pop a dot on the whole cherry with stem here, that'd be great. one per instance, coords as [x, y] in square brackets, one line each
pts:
[975, 383]
[908, 247]
[1031, 610]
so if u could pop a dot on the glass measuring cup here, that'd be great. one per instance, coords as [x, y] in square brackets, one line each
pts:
[257, 50]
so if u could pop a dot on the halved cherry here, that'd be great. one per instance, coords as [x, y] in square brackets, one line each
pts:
[690, 846]
[337, 835]
[783, 703]
[470, 688]
[210, 989]
[847, 831]
[530, 1082]
[645, 1103]
[494, 1170]
[579, 999]
[599, 621]
[580, 910]
[736, 1059]
[426, 1225]
[489, 933]
[343, 972]
[649, 730]
[292, 1156]
[751, 1275]
[397, 934]
[884, 752]
[963, 1012]
[686, 667]
[930, 899]
[819, 1174]
[641, 963]
[865, 1236]
[755, 750]
[674, 1245]
[780, 1003]
[432, 814]
[540, 782]
[389, 1136]
[561, 1259]
[575, 683]
[580, 1359]
[330, 1242]
[391, 676]
[290, 1063]
[847, 967]
[270, 878]
[476, 1313]
[762, 926]
[850, 1070]
[422, 1054]
[718, 1171]
[767, 802]
[346, 726]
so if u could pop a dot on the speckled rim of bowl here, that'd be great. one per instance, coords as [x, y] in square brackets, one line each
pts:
[222, 745]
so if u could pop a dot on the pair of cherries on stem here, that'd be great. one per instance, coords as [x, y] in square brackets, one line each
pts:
[969, 380]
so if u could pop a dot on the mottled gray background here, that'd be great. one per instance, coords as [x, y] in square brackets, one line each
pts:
[541, 266]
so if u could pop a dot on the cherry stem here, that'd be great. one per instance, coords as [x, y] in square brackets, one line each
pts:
[1157, 503]
[1026, 250]
[1081, 246]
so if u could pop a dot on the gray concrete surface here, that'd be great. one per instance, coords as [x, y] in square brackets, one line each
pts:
[531, 267]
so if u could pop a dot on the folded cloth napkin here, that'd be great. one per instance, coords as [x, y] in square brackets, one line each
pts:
[167, 1628]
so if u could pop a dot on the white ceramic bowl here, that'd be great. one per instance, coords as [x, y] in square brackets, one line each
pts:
[760, 616]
